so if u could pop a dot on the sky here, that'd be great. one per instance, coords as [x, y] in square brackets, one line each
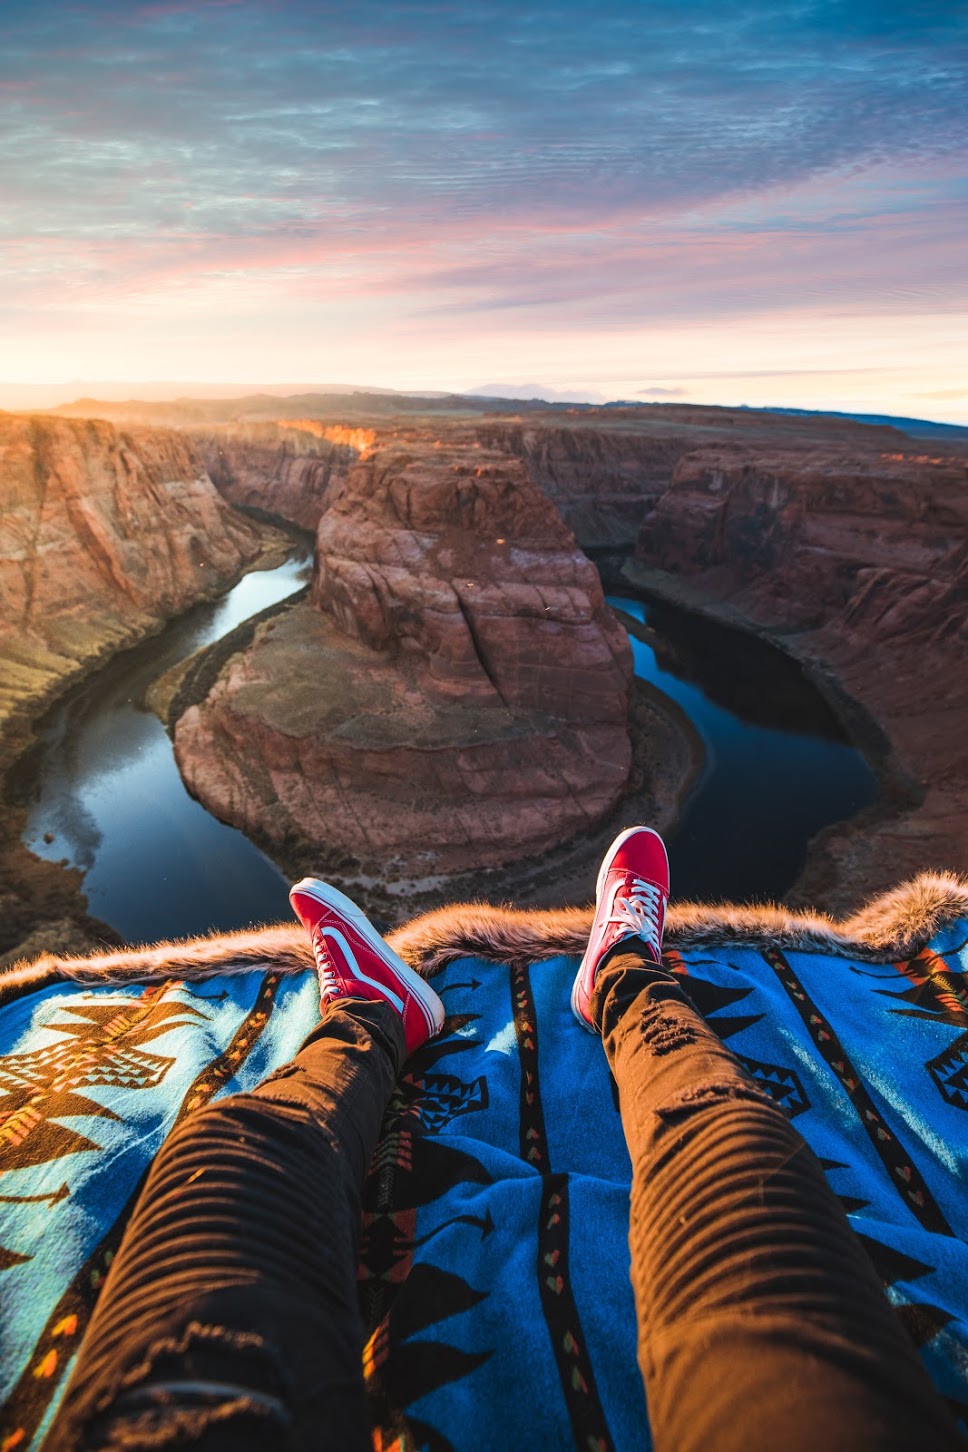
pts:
[717, 201]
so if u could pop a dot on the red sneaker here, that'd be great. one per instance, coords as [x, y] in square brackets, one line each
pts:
[353, 961]
[630, 902]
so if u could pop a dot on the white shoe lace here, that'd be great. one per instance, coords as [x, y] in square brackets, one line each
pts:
[641, 911]
[329, 984]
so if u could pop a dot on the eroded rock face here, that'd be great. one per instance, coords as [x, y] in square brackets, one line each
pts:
[863, 560]
[602, 480]
[456, 694]
[292, 469]
[104, 534]
[793, 534]
[455, 556]
[605, 469]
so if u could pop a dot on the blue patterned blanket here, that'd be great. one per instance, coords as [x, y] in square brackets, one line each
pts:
[494, 1262]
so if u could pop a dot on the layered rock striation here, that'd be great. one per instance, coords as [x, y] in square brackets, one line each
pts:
[455, 694]
[291, 469]
[859, 561]
[104, 534]
[601, 477]
[605, 469]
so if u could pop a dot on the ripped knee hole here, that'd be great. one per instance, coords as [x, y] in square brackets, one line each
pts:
[709, 1096]
[665, 1034]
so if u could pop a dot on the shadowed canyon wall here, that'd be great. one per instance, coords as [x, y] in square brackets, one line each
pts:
[602, 480]
[292, 469]
[604, 469]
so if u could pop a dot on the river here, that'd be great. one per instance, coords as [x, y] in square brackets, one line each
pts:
[779, 765]
[103, 792]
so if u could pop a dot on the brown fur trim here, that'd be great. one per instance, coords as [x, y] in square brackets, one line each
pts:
[285, 947]
[889, 928]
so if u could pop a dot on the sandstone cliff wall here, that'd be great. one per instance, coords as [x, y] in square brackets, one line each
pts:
[603, 469]
[606, 469]
[861, 560]
[602, 479]
[455, 555]
[292, 469]
[104, 534]
[456, 694]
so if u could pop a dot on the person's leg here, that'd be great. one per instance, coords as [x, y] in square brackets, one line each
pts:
[230, 1317]
[762, 1324]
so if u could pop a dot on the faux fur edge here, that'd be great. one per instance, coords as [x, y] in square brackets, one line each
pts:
[889, 928]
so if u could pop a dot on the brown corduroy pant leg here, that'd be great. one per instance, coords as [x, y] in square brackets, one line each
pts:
[762, 1325]
[230, 1320]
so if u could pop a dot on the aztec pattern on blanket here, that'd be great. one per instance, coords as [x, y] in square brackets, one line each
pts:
[494, 1264]
[91, 1081]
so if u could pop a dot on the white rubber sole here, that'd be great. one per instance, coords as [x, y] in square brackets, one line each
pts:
[324, 892]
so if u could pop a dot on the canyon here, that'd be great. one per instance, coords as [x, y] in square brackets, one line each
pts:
[293, 467]
[454, 696]
[845, 543]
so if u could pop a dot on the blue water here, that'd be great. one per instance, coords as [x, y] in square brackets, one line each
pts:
[766, 788]
[107, 794]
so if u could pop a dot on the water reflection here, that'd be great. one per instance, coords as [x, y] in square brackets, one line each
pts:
[779, 766]
[753, 680]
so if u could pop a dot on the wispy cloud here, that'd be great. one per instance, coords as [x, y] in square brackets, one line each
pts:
[435, 160]
[247, 118]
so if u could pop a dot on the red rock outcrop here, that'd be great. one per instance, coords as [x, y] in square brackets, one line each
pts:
[291, 469]
[104, 534]
[454, 697]
[861, 561]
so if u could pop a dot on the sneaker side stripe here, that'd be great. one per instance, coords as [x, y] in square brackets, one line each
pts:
[358, 973]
